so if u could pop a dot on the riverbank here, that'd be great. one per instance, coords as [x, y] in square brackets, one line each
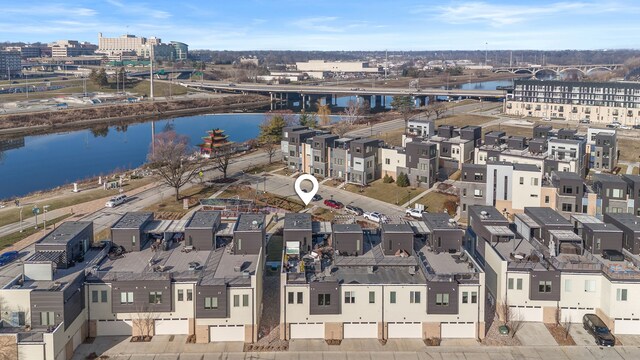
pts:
[45, 122]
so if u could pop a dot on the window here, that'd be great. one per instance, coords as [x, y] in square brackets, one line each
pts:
[518, 284]
[126, 297]
[566, 207]
[236, 300]
[534, 181]
[544, 286]
[392, 297]
[324, 299]
[349, 297]
[464, 192]
[477, 192]
[47, 318]
[590, 286]
[372, 297]
[510, 284]
[387, 161]
[546, 199]
[94, 296]
[474, 297]
[189, 295]
[414, 297]
[465, 297]
[621, 294]
[300, 298]
[211, 303]
[442, 299]
[155, 297]
[103, 296]
[133, 241]
[180, 295]
[290, 297]
[521, 180]
[245, 300]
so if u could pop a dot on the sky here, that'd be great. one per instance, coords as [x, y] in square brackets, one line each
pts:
[335, 25]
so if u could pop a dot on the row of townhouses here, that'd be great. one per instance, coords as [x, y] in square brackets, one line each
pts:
[598, 102]
[428, 278]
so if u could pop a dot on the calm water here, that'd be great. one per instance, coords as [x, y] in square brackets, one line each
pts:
[47, 161]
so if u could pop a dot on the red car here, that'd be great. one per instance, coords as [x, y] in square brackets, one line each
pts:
[333, 204]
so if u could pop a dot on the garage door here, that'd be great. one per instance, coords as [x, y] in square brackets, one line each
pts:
[307, 331]
[458, 330]
[114, 328]
[631, 327]
[172, 327]
[361, 330]
[405, 330]
[31, 351]
[528, 313]
[77, 338]
[575, 315]
[226, 333]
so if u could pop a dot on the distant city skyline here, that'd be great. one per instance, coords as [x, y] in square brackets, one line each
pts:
[335, 25]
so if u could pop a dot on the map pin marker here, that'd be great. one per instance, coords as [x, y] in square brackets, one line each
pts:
[306, 196]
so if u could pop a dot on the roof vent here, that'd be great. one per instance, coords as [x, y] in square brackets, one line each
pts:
[245, 274]
[483, 213]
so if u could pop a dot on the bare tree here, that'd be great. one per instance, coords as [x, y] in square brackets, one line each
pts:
[427, 110]
[341, 128]
[503, 311]
[222, 159]
[324, 113]
[516, 321]
[439, 109]
[8, 347]
[566, 326]
[144, 321]
[352, 112]
[172, 158]
[271, 148]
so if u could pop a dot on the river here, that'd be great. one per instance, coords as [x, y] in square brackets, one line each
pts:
[46, 161]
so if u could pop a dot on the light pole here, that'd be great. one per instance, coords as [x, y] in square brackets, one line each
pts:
[45, 217]
[36, 211]
[486, 52]
[21, 207]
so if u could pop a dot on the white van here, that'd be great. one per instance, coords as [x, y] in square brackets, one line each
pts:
[115, 201]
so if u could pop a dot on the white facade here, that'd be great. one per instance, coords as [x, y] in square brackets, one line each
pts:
[527, 188]
[392, 159]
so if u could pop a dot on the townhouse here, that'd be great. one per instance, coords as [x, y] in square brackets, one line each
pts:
[456, 146]
[385, 284]
[293, 145]
[197, 277]
[541, 270]
[602, 148]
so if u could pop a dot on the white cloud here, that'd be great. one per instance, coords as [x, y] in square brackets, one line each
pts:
[320, 23]
[499, 15]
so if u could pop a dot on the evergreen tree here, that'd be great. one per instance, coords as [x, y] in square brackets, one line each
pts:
[403, 180]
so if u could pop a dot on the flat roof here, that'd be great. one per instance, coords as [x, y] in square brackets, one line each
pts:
[203, 220]
[627, 220]
[608, 178]
[436, 221]
[585, 219]
[250, 222]
[64, 233]
[397, 228]
[500, 230]
[381, 275]
[546, 216]
[527, 220]
[63, 277]
[446, 263]
[132, 220]
[513, 247]
[526, 167]
[632, 178]
[321, 227]
[163, 226]
[492, 214]
[565, 235]
[347, 228]
[602, 227]
[567, 175]
[297, 221]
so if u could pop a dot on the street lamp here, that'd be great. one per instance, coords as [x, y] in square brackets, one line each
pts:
[21, 207]
[45, 208]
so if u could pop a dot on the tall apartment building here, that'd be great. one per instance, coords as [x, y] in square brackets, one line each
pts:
[10, 63]
[181, 50]
[337, 66]
[142, 47]
[384, 292]
[599, 102]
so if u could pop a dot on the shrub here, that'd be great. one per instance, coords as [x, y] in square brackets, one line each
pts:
[387, 179]
[403, 180]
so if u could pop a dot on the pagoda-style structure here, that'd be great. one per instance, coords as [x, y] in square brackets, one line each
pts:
[215, 141]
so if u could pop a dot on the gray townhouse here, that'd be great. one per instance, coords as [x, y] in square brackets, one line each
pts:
[292, 144]
[352, 284]
[321, 147]
[421, 160]
[471, 187]
[633, 192]
[365, 164]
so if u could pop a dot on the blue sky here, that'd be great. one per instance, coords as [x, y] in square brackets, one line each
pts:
[335, 25]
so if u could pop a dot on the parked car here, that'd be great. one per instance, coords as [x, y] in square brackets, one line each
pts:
[316, 197]
[636, 126]
[354, 210]
[613, 255]
[414, 213]
[375, 217]
[231, 85]
[611, 126]
[116, 200]
[546, 118]
[333, 204]
[8, 257]
[585, 121]
[596, 327]
[624, 127]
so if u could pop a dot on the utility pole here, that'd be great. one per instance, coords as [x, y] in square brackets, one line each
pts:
[511, 59]
[386, 63]
[151, 72]
[486, 52]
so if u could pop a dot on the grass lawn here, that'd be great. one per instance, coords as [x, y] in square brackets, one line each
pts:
[629, 149]
[623, 169]
[464, 120]
[393, 137]
[276, 165]
[13, 215]
[196, 192]
[435, 202]
[274, 248]
[390, 193]
[324, 214]
[11, 239]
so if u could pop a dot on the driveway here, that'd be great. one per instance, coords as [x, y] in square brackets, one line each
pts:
[535, 334]
[580, 335]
